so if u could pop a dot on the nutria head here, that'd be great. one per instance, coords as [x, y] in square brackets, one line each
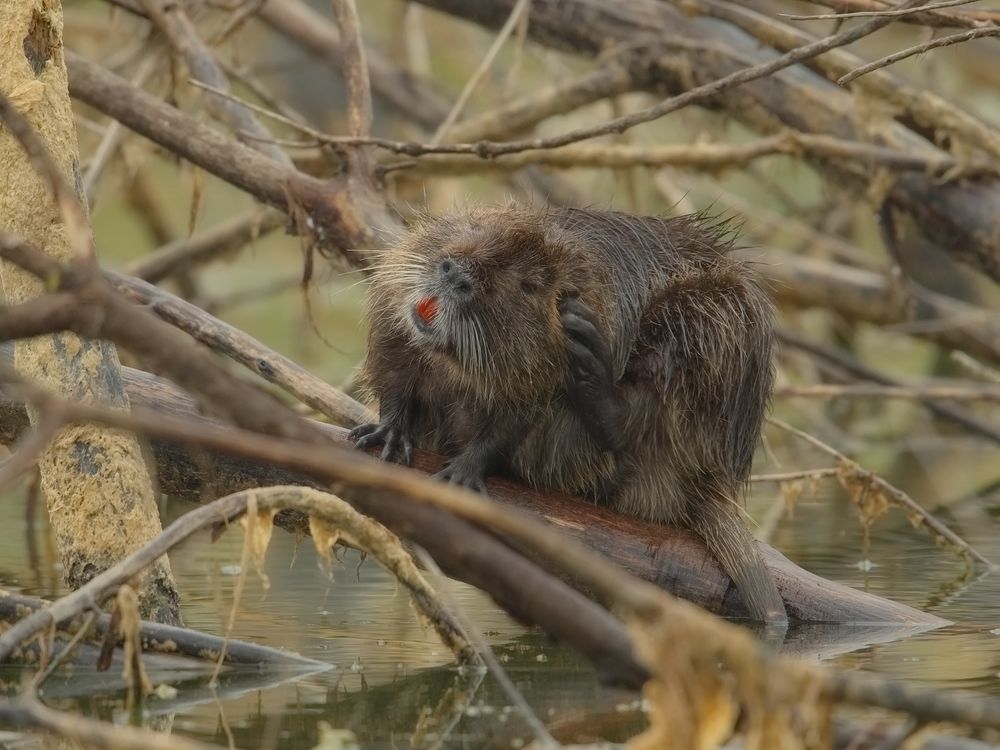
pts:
[477, 294]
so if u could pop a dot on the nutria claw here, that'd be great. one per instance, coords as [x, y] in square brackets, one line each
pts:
[584, 338]
[591, 385]
[464, 474]
[392, 438]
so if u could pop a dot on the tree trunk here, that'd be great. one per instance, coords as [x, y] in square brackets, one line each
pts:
[99, 495]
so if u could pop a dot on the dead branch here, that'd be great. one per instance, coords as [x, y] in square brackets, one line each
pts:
[865, 296]
[868, 490]
[356, 528]
[921, 16]
[246, 350]
[171, 19]
[843, 362]
[895, 13]
[354, 68]
[918, 49]
[157, 638]
[907, 392]
[343, 217]
[183, 254]
[696, 155]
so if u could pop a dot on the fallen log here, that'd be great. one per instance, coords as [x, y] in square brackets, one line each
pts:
[672, 558]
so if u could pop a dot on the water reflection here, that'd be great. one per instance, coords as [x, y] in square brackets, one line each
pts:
[393, 684]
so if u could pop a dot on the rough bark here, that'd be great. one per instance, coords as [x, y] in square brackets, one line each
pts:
[99, 495]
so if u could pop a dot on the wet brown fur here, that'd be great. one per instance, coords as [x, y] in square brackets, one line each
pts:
[690, 333]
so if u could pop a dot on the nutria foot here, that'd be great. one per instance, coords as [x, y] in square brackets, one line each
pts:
[471, 467]
[392, 436]
[591, 385]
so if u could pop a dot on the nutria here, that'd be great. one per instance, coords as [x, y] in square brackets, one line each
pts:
[623, 358]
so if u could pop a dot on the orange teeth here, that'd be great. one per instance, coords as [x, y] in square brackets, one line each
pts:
[427, 309]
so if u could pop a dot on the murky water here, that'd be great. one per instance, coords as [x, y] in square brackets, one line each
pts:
[393, 685]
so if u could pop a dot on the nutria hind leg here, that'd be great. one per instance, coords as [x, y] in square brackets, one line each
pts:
[590, 381]
[717, 521]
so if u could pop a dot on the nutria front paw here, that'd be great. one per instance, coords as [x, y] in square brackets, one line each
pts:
[393, 437]
[590, 384]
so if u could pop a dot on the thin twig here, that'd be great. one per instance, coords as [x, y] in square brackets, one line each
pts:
[354, 68]
[245, 349]
[542, 736]
[227, 509]
[113, 135]
[895, 57]
[791, 476]
[697, 154]
[887, 13]
[909, 392]
[458, 107]
[81, 633]
[896, 495]
[25, 453]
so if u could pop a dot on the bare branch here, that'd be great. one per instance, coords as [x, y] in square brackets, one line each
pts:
[173, 21]
[698, 93]
[520, 7]
[850, 472]
[888, 12]
[355, 69]
[183, 254]
[245, 349]
[910, 392]
[895, 57]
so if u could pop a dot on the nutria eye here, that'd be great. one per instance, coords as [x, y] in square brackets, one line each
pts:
[528, 286]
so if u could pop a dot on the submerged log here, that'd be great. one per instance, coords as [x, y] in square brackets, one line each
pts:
[181, 648]
[672, 558]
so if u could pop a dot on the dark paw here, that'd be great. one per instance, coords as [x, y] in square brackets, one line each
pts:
[591, 386]
[393, 439]
[465, 474]
[589, 352]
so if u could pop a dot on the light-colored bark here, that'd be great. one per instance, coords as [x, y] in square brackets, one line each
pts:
[97, 488]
